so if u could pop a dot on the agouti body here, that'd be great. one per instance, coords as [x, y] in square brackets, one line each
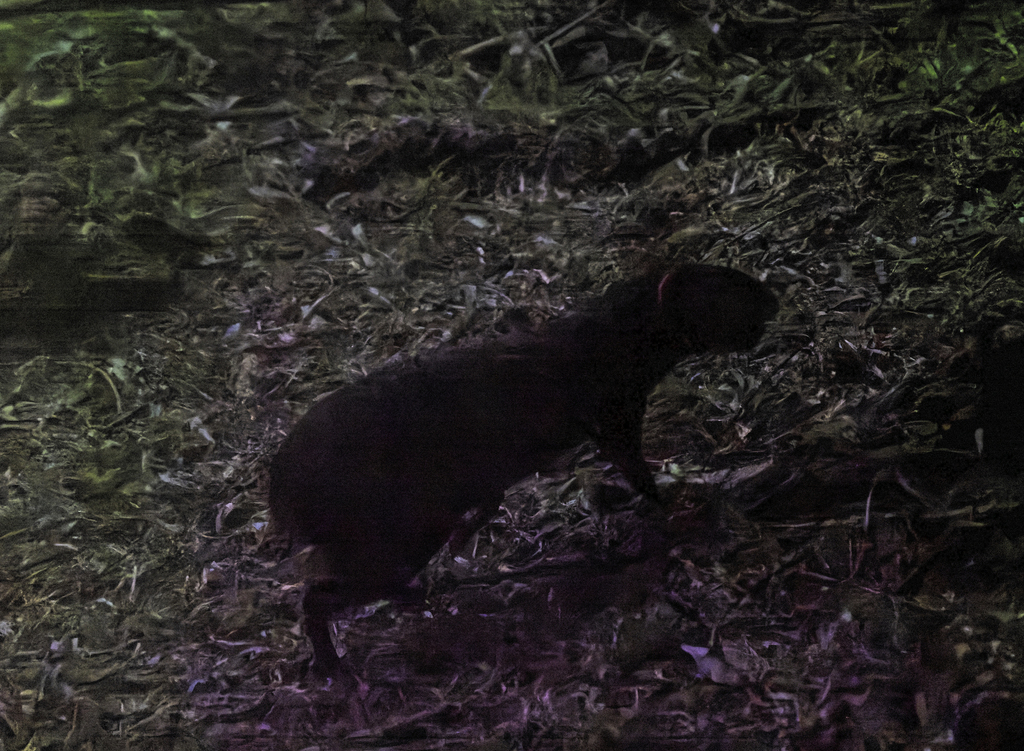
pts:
[379, 474]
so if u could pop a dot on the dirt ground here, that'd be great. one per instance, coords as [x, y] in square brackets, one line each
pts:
[210, 215]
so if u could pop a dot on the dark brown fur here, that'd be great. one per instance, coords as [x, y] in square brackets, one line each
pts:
[379, 474]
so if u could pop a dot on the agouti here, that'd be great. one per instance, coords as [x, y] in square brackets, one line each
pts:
[379, 474]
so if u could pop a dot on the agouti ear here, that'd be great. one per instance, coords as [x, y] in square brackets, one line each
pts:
[665, 281]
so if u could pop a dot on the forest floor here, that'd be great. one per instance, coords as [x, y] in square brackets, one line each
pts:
[211, 216]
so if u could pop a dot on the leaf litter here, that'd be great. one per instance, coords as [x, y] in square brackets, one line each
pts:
[255, 204]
